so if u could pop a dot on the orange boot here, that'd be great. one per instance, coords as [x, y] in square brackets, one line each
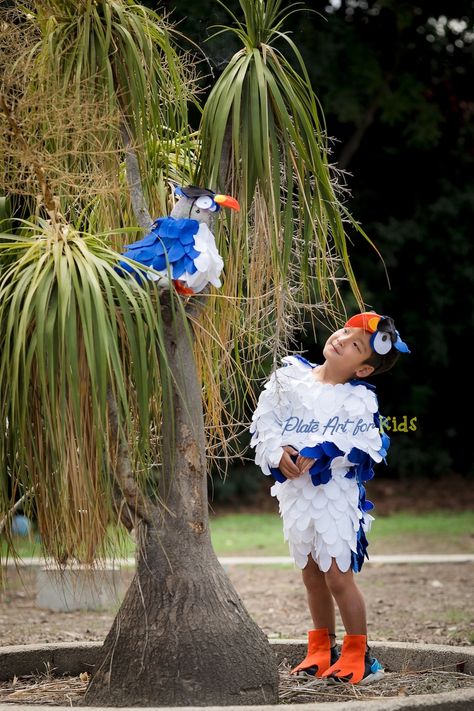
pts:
[320, 654]
[355, 665]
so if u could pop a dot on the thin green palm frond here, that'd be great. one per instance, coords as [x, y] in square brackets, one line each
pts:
[113, 48]
[74, 336]
[264, 141]
[263, 116]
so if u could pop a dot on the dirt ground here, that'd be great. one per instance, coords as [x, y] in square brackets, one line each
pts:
[409, 602]
[414, 603]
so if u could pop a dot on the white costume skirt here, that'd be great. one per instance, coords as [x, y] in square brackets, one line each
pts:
[324, 521]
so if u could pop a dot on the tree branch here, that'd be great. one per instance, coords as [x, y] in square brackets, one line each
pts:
[136, 504]
[137, 195]
[352, 145]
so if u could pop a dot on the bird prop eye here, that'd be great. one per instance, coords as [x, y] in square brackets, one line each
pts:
[381, 342]
[204, 202]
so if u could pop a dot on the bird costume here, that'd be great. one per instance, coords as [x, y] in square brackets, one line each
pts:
[181, 247]
[325, 511]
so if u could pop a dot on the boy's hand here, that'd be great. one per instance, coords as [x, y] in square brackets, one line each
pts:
[304, 464]
[287, 465]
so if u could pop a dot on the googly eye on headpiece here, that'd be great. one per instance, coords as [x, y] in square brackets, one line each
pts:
[202, 197]
[384, 334]
[206, 199]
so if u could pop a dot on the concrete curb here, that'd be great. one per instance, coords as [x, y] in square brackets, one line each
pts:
[448, 701]
[75, 658]
[395, 559]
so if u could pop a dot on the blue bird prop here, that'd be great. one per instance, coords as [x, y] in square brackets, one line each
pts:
[181, 247]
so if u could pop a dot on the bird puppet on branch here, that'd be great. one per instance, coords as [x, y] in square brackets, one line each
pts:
[181, 247]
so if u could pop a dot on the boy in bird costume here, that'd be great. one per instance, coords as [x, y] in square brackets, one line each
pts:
[316, 430]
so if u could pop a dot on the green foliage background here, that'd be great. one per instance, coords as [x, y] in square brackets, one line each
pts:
[395, 82]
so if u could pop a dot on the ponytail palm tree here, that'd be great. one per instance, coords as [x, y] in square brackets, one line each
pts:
[264, 140]
[103, 382]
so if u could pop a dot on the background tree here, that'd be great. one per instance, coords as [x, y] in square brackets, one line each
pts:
[101, 405]
[402, 110]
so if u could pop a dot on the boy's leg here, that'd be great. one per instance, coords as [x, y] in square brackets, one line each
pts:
[320, 600]
[349, 599]
[355, 664]
[322, 650]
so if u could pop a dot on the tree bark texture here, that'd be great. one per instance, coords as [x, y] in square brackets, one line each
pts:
[182, 636]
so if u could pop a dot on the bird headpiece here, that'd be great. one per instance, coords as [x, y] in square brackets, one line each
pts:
[206, 199]
[384, 334]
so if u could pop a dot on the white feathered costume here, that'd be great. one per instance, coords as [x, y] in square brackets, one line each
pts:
[324, 511]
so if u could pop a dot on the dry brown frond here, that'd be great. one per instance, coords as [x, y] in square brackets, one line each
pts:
[76, 140]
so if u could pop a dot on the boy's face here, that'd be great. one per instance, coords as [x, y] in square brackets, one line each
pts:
[347, 350]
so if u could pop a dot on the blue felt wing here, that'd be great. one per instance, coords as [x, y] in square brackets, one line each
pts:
[175, 251]
[323, 453]
[170, 242]
[148, 241]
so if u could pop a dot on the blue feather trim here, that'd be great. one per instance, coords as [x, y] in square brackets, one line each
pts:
[179, 268]
[148, 241]
[303, 360]
[367, 385]
[189, 264]
[358, 557]
[170, 244]
[175, 252]
[159, 263]
[182, 230]
[324, 453]
[277, 475]
[190, 251]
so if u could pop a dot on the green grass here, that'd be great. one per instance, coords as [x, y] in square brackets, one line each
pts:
[261, 534]
[119, 545]
[27, 547]
[434, 532]
[248, 534]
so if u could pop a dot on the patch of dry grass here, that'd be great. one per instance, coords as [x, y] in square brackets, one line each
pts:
[45, 689]
[294, 690]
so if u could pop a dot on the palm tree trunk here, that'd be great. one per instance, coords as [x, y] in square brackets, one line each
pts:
[182, 635]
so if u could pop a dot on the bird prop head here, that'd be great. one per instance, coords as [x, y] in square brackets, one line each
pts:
[200, 204]
[384, 334]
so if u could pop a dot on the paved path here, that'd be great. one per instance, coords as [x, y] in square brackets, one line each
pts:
[379, 559]
[401, 558]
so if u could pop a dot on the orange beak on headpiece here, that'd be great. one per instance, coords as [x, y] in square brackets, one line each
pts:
[227, 201]
[383, 340]
[368, 321]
